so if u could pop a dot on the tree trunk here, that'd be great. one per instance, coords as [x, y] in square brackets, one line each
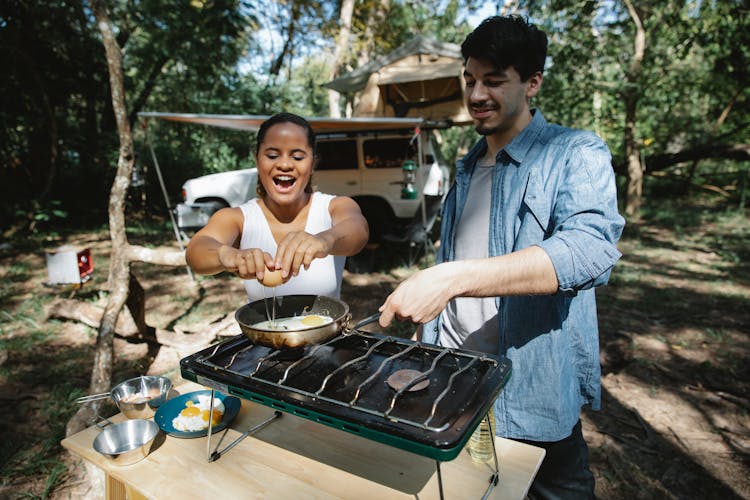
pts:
[634, 193]
[43, 141]
[288, 42]
[345, 23]
[119, 268]
[378, 14]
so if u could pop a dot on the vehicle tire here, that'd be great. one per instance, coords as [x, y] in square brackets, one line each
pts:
[212, 206]
[215, 204]
[379, 217]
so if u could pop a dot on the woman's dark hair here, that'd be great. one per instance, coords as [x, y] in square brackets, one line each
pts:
[285, 118]
[276, 119]
[507, 41]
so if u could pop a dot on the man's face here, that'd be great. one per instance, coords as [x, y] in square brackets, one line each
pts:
[496, 99]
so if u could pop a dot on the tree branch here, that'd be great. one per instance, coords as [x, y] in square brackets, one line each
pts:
[148, 86]
[159, 256]
[737, 152]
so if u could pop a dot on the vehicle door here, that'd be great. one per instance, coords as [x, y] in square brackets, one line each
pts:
[337, 170]
[382, 173]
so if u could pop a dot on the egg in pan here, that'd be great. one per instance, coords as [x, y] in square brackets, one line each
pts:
[295, 322]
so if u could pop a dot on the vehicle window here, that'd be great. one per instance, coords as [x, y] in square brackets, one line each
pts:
[389, 153]
[337, 155]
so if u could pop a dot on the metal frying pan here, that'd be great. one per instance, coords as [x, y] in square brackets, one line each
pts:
[296, 305]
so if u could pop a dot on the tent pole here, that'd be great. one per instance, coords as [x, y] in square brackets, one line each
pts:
[426, 241]
[166, 201]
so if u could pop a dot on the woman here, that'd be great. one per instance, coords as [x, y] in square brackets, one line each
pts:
[288, 234]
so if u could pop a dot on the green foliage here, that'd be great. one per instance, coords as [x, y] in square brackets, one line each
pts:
[58, 139]
[691, 89]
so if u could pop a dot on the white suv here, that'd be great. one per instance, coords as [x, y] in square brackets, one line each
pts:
[367, 166]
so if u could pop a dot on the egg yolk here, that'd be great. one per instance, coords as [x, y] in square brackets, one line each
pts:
[216, 417]
[191, 411]
[312, 320]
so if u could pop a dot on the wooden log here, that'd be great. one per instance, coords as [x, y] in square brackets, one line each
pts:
[90, 314]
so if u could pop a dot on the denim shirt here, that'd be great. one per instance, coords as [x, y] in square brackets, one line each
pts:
[553, 187]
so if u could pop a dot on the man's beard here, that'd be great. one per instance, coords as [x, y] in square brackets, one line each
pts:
[483, 130]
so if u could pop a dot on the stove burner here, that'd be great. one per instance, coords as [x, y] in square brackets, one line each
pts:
[291, 353]
[400, 378]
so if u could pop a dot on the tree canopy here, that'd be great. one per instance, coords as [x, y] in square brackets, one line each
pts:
[664, 83]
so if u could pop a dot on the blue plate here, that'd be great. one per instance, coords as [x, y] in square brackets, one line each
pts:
[169, 410]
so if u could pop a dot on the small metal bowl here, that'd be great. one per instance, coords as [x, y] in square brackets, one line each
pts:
[127, 442]
[141, 396]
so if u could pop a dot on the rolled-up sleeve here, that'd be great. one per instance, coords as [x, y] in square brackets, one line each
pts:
[585, 222]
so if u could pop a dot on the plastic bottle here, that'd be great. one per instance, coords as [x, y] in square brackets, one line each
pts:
[481, 442]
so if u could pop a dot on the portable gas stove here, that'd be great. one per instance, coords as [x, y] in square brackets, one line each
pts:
[420, 398]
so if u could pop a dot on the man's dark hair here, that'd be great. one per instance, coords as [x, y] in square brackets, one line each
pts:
[508, 41]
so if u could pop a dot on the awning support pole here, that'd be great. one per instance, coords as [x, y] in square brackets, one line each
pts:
[166, 201]
[428, 246]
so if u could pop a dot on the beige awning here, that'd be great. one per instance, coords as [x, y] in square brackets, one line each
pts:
[319, 125]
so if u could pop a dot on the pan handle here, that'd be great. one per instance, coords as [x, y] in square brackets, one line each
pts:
[92, 397]
[370, 319]
[102, 426]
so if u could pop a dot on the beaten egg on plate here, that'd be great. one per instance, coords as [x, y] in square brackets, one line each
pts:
[194, 417]
[295, 322]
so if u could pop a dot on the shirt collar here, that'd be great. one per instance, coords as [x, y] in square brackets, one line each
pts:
[516, 149]
[521, 144]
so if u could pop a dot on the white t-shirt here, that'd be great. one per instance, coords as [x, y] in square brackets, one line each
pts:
[324, 275]
[471, 322]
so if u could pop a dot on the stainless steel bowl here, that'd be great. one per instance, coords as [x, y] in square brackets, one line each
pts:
[141, 396]
[127, 442]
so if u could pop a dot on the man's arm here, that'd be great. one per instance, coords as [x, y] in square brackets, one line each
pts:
[579, 253]
[423, 295]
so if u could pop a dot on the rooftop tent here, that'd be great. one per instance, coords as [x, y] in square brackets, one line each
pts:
[419, 79]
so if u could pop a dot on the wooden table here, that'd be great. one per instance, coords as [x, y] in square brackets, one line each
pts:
[297, 458]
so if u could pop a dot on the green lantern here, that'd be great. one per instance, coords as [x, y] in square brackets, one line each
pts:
[409, 169]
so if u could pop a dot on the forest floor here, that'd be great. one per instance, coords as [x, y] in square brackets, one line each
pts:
[674, 336]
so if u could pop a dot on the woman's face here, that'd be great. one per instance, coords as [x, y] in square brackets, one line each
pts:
[285, 163]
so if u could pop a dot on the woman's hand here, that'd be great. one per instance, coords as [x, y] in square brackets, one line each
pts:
[298, 249]
[247, 264]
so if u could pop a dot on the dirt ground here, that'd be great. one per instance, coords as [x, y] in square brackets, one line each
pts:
[674, 327]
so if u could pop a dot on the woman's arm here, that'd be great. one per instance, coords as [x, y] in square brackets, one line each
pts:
[349, 232]
[347, 236]
[213, 249]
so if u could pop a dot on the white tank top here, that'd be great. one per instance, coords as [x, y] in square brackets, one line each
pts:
[323, 277]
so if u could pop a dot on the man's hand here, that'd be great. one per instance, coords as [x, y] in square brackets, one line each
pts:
[421, 297]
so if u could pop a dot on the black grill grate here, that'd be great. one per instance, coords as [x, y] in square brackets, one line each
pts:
[346, 379]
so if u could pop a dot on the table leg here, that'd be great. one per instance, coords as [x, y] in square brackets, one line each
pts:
[116, 490]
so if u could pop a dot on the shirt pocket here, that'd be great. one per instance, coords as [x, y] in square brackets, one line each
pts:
[533, 221]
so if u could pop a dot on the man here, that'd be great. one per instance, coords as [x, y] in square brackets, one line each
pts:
[529, 229]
